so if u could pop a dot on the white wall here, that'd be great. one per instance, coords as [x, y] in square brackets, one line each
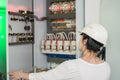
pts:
[92, 11]
[20, 56]
[110, 17]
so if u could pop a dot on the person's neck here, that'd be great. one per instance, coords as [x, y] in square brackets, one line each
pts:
[90, 57]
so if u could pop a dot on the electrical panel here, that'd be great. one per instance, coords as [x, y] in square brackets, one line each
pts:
[61, 28]
[20, 27]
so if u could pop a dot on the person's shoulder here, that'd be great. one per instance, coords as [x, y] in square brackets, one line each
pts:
[107, 64]
[107, 67]
[68, 63]
[72, 62]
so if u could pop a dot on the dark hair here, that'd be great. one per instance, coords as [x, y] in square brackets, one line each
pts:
[94, 46]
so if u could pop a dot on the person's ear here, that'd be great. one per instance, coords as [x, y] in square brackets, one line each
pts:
[85, 41]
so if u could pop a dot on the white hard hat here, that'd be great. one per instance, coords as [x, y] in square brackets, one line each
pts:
[97, 32]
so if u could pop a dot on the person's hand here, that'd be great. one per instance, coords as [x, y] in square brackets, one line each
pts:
[15, 75]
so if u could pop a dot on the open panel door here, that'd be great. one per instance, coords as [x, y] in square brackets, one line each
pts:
[3, 67]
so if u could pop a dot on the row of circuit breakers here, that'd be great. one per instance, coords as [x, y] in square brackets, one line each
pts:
[60, 43]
